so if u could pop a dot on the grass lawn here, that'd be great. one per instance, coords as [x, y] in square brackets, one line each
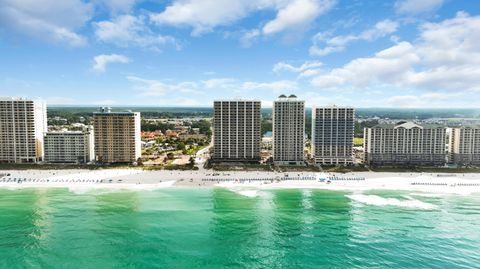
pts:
[357, 141]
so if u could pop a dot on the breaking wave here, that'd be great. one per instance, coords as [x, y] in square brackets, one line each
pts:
[381, 201]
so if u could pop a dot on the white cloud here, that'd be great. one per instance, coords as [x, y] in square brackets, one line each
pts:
[297, 15]
[445, 57]
[203, 16]
[150, 87]
[127, 30]
[324, 44]
[50, 20]
[308, 65]
[403, 101]
[276, 86]
[321, 99]
[429, 99]
[219, 83]
[118, 6]
[415, 7]
[101, 61]
[387, 66]
[247, 39]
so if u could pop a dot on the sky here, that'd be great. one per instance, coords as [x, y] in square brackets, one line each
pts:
[176, 53]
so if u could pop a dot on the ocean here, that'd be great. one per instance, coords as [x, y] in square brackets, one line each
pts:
[220, 228]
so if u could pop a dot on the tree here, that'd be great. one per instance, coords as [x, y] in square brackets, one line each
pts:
[181, 146]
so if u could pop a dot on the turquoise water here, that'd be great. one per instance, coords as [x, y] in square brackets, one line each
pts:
[218, 228]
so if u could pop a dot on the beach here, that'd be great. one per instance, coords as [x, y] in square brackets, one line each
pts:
[146, 179]
[193, 219]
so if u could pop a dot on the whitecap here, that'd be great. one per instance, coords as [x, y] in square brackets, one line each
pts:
[381, 201]
[249, 193]
[245, 192]
[432, 195]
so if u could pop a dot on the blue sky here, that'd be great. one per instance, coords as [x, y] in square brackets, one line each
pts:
[400, 53]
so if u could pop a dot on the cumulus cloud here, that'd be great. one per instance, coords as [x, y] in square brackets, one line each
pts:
[415, 7]
[277, 86]
[390, 66]
[101, 61]
[307, 69]
[444, 57]
[204, 16]
[128, 30]
[151, 87]
[324, 43]
[219, 83]
[50, 20]
[296, 15]
[247, 38]
[429, 99]
[282, 66]
[118, 6]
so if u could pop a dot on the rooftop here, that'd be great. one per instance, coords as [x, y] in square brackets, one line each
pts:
[408, 125]
[284, 98]
[237, 100]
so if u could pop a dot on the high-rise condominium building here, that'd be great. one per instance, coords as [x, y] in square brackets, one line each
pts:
[288, 130]
[332, 135]
[464, 145]
[69, 147]
[237, 127]
[117, 136]
[405, 144]
[22, 125]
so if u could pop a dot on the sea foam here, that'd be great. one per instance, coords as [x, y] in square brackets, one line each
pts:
[381, 201]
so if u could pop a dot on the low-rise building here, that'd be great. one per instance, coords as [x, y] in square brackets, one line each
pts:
[407, 143]
[69, 147]
[464, 145]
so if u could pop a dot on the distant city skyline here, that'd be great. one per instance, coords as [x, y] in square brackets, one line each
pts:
[179, 53]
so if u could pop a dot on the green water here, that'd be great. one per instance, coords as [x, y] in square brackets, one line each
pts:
[218, 228]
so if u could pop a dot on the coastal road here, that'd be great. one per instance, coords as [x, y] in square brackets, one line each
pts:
[202, 156]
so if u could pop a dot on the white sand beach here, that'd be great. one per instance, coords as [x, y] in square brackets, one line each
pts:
[243, 182]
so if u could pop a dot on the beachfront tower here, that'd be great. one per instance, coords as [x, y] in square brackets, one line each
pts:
[332, 135]
[22, 125]
[406, 143]
[464, 143]
[288, 130]
[116, 136]
[236, 131]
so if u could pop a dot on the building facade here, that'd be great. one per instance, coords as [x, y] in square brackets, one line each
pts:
[69, 147]
[237, 131]
[405, 144]
[464, 146]
[288, 130]
[332, 135]
[23, 123]
[117, 136]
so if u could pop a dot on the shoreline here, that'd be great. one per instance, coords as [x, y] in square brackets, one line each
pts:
[137, 179]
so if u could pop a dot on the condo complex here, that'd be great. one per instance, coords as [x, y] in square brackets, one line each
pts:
[237, 137]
